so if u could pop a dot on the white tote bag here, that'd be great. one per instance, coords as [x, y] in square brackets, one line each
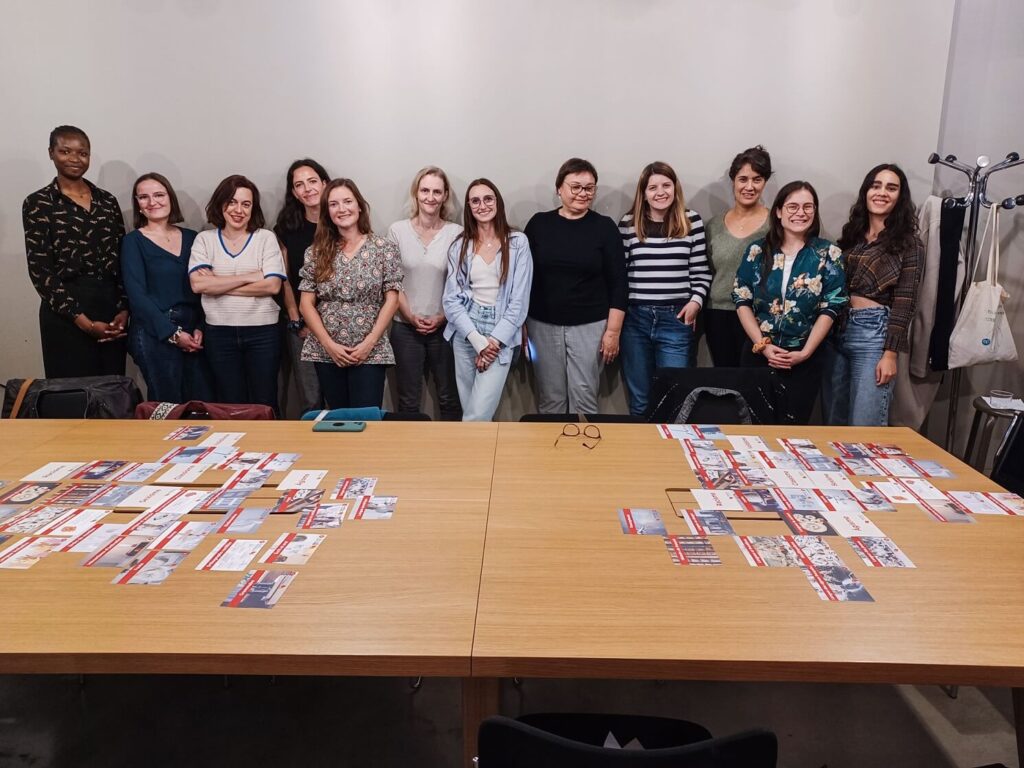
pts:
[982, 333]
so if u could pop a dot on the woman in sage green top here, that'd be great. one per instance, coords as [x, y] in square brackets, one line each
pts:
[729, 236]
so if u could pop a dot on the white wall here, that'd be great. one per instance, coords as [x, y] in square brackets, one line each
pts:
[377, 89]
[982, 115]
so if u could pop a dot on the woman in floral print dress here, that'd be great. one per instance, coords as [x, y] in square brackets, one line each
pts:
[349, 284]
[789, 289]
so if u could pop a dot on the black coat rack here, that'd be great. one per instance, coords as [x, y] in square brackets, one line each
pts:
[974, 200]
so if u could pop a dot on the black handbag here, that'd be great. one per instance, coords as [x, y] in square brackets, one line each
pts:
[87, 397]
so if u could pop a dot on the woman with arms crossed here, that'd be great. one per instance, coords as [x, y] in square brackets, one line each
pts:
[882, 255]
[490, 271]
[166, 334]
[729, 236]
[418, 333]
[668, 273]
[349, 293]
[295, 228]
[578, 297]
[238, 269]
[789, 289]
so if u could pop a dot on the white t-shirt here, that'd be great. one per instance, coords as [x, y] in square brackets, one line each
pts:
[787, 270]
[484, 280]
[261, 253]
[425, 266]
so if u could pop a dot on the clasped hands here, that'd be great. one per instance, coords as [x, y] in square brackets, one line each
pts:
[488, 354]
[344, 356]
[778, 357]
[104, 332]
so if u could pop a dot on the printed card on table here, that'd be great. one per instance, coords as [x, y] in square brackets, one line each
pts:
[790, 478]
[138, 473]
[152, 567]
[780, 460]
[293, 548]
[749, 467]
[103, 470]
[34, 518]
[702, 445]
[861, 467]
[880, 552]
[308, 479]
[853, 450]
[151, 523]
[885, 450]
[767, 551]
[324, 516]
[183, 502]
[896, 467]
[148, 496]
[691, 431]
[374, 508]
[243, 520]
[26, 552]
[894, 492]
[873, 501]
[247, 480]
[224, 500]
[803, 499]
[920, 488]
[26, 493]
[747, 443]
[116, 552]
[259, 589]
[275, 462]
[712, 499]
[222, 439]
[830, 480]
[641, 522]
[182, 536]
[850, 524]
[183, 473]
[231, 555]
[725, 479]
[691, 550]
[187, 433]
[976, 502]
[296, 501]
[93, 538]
[946, 511]
[797, 445]
[706, 522]
[197, 454]
[1011, 502]
[818, 462]
[354, 487]
[74, 523]
[928, 468]
[808, 523]
[10, 511]
[762, 500]
[837, 583]
[79, 494]
[54, 472]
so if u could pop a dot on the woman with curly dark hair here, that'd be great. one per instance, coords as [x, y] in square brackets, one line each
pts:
[882, 253]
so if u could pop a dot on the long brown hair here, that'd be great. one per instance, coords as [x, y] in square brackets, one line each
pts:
[328, 240]
[773, 240]
[472, 228]
[677, 223]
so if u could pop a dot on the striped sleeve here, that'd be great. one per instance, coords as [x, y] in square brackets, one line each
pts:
[699, 266]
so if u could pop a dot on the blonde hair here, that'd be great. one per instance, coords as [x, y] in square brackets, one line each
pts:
[447, 208]
[677, 223]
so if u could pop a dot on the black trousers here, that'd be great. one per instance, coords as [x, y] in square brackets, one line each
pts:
[70, 352]
[795, 391]
[726, 337]
[415, 355]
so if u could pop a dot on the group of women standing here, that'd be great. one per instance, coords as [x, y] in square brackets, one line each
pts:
[456, 301]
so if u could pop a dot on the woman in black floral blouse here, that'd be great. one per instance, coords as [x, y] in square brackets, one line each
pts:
[73, 232]
[349, 283]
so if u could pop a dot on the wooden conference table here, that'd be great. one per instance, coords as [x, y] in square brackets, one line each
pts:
[505, 558]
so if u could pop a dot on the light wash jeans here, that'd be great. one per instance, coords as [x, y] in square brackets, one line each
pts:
[652, 337]
[850, 396]
[479, 391]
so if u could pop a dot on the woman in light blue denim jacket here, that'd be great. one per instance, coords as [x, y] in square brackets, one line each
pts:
[486, 298]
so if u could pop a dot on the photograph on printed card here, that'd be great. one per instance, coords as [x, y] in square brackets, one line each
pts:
[26, 493]
[691, 550]
[880, 552]
[259, 589]
[767, 551]
[641, 522]
[808, 523]
[706, 522]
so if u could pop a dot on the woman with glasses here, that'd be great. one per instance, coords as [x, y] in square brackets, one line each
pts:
[490, 271]
[295, 227]
[729, 236]
[349, 284]
[238, 269]
[883, 268]
[417, 335]
[669, 276]
[788, 291]
[578, 298]
[166, 335]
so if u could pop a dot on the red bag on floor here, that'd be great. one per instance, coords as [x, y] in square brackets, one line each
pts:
[197, 409]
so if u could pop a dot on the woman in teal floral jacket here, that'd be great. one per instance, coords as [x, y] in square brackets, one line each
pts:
[789, 289]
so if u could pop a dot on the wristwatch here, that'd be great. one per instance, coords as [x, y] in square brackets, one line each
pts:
[296, 325]
[173, 338]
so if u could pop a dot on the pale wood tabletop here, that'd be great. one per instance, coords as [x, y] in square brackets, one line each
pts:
[565, 594]
[388, 597]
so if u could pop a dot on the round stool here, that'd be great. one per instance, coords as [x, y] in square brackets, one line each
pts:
[983, 410]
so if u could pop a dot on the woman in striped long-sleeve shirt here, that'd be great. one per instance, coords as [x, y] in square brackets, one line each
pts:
[669, 277]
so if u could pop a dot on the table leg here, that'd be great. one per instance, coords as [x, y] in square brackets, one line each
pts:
[479, 700]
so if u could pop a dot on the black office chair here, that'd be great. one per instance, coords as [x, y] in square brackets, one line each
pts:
[396, 416]
[574, 418]
[1008, 466]
[576, 741]
[711, 396]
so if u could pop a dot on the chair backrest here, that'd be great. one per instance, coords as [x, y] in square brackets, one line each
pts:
[750, 387]
[406, 416]
[507, 743]
[1008, 467]
[574, 418]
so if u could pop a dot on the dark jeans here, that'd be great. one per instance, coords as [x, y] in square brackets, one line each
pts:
[726, 337]
[415, 355]
[795, 391]
[172, 375]
[68, 351]
[244, 360]
[354, 386]
[652, 337]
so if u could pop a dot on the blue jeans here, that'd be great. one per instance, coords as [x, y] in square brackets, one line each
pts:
[850, 396]
[352, 386]
[652, 337]
[479, 391]
[172, 376]
[244, 360]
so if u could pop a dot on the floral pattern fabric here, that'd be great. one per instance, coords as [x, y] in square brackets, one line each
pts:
[350, 301]
[817, 286]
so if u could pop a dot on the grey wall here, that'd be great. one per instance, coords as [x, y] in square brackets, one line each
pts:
[377, 89]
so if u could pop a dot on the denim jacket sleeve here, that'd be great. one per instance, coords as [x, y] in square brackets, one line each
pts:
[516, 292]
[455, 298]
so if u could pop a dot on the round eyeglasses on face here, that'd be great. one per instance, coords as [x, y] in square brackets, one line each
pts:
[486, 201]
[582, 190]
[156, 197]
[796, 207]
